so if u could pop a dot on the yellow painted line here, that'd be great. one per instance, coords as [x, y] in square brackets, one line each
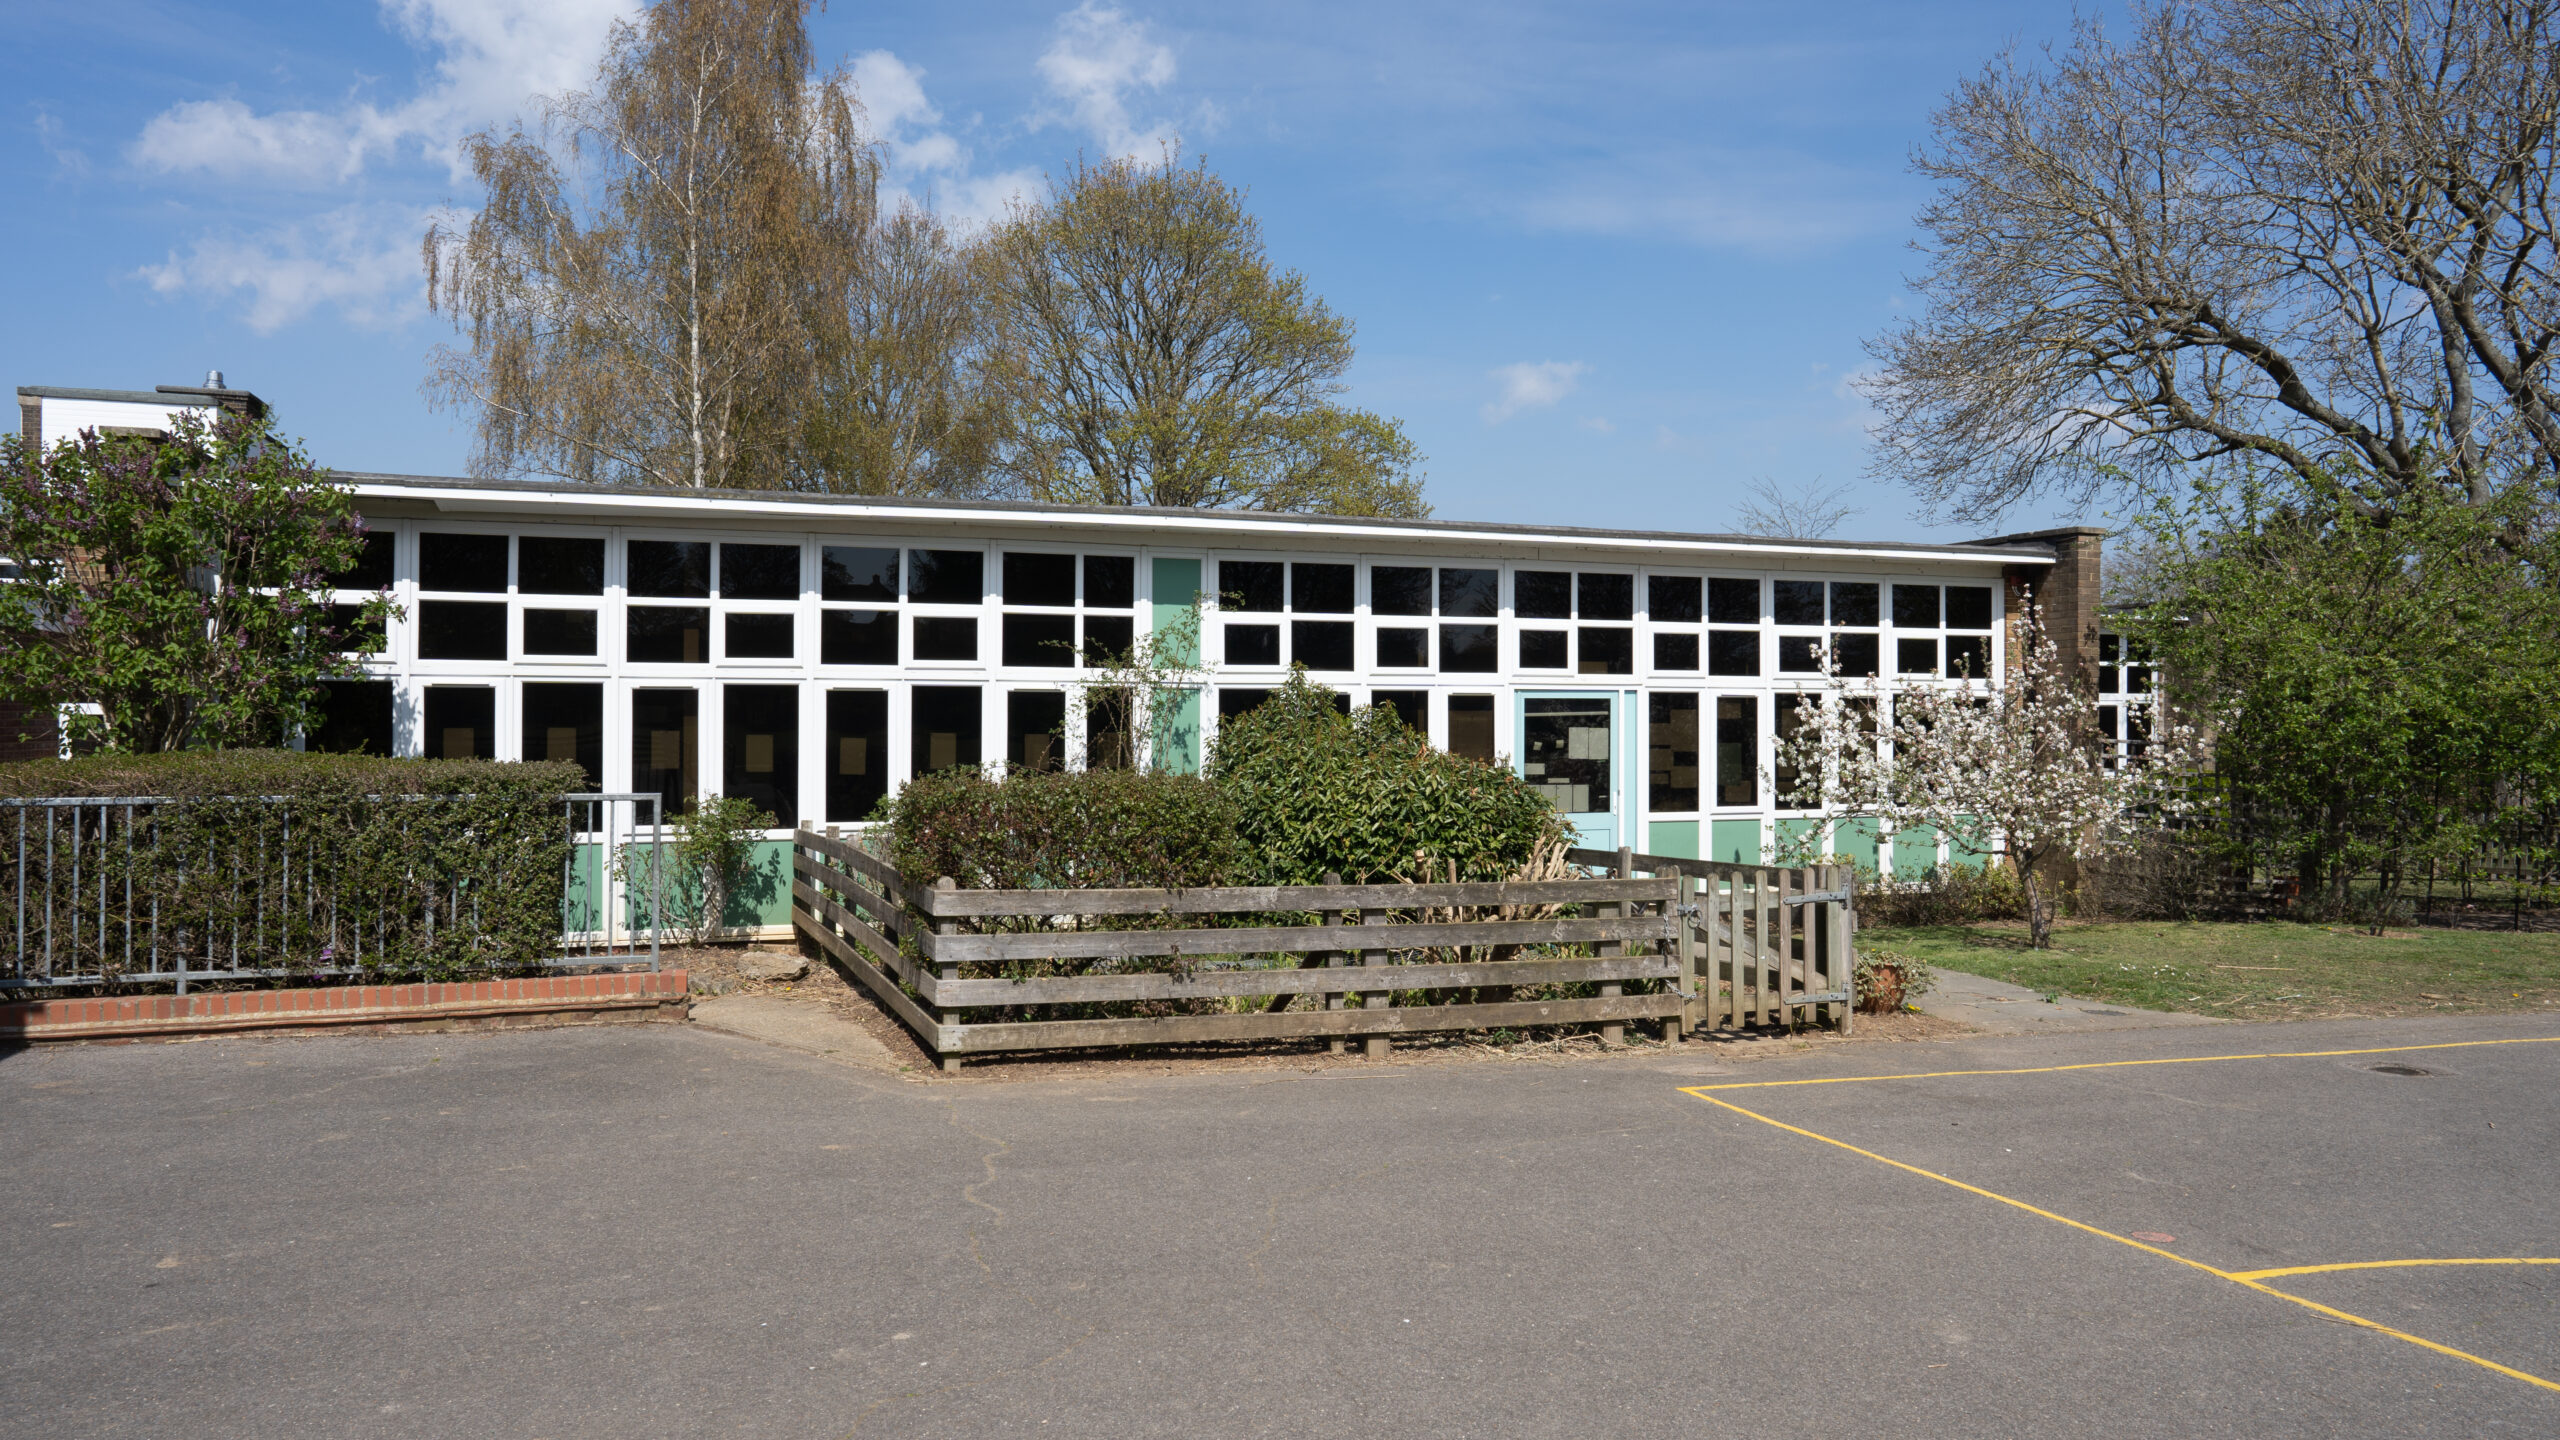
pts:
[1701, 1090]
[2379, 1265]
[2246, 1280]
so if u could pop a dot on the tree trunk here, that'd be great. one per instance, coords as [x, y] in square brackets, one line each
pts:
[2039, 906]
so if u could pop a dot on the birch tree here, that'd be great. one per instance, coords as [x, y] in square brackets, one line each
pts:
[2020, 771]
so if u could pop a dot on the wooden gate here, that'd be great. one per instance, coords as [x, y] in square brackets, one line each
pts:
[1765, 945]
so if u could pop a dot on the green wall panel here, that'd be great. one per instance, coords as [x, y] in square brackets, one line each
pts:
[1678, 838]
[1177, 589]
[1915, 852]
[1967, 845]
[1178, 738]
[1860, 840]
[1736, 842]
[1800, 833]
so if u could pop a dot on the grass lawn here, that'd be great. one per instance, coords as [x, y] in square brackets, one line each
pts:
[2269, 970]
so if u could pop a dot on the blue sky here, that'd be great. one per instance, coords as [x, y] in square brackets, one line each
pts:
[1610, 262]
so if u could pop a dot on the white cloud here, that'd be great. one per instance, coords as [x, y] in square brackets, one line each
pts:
[361, 259]
[1532, 385]
[1098, 58]
[1600, 423]
[928, 166]
[229, 141]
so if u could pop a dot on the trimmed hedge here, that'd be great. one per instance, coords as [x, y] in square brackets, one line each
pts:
[311, 862]
[1101, 829]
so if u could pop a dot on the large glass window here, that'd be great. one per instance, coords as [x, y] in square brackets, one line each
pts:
[1737, 751]
[857, 755]
[559, 632]
[566, 722]
[1399, 590]
[947, 727]
[1321, 644]
[946, 637]
[1605, 597]
[1040, 640]
[759, 572]
[1671, 599]
[1675, 651]
[1470, 594]
[666, 736]
[1035, 731]
[946, 577]
[856, 752]
[372, 569]
[1108, 742]
[1251, 644]
[1855, 653]
[1733, 652]
[1790, 714]
[666, 634]
[1404, 647]
[559, 565]
[461, 722]
[462, 629]
[1252, 585]
[1542, 650]
[1413, 707]
[1564, 752]
[1542, 594]
[1797, 602]
[469, 563]
[1733, 601]
[1608, 649]
[1471, 727]
[854, 572]
[1039, 579]
[1854, 602]
[751, 636]
[760, 748]
[1110, 582]
[858, 637]
[1671, 752]
[1915, 607]
[1470, 649]
[1320, 589]
[1107, 638]
[668, 569]
[355, 716]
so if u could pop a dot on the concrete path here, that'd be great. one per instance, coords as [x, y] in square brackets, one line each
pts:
[803, 1025]
[2001, 1008]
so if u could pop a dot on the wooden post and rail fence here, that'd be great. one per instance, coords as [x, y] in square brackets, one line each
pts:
[1687, 944]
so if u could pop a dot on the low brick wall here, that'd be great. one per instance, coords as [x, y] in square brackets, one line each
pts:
[482, 1004]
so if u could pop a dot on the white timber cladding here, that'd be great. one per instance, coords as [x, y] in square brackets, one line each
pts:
[64, 419]
[817, 659]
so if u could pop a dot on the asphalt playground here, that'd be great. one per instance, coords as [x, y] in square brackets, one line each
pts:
[2315, 1229]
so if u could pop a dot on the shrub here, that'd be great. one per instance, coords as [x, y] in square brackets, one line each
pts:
[1946, 895]
[710, 859]
[1891, 979]
[316, 861]
[1367, 797]
[1101, 829]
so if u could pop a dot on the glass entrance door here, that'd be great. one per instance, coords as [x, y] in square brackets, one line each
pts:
[1566, 750]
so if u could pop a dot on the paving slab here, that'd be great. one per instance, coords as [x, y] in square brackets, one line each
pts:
[2000, 1008]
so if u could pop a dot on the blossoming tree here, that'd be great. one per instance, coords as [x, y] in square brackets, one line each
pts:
[2020, 770]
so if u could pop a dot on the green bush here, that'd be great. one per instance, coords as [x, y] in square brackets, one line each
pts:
[1102, 829]
[307, 862]
[1367, 797]
[1946, 895]
[710, 860]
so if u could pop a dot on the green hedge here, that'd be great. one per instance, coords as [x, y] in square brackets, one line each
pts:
[306, 862]
[1102, 829]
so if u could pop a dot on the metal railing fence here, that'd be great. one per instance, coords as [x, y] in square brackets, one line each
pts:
[133, 889]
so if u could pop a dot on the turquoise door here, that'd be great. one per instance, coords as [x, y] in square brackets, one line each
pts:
[1569, 749]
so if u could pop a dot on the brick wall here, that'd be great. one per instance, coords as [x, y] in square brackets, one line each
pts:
[2067, 590]
[36, 721]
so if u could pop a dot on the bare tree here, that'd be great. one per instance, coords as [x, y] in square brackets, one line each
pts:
[638, 290]
[2315, 234]
[1808, 512]
[1150, 355]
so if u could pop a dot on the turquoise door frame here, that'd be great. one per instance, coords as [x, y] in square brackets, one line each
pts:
[1599, 826]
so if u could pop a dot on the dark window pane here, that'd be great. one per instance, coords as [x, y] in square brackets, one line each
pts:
[1733, 652]
[1607, 597]
[1399, 590]
[1797, 602]
[857, 572]
[760, 748]
[566, 722]
[1320, 589]
[355, 637]
[2109, 647]
[1470, 649]
[1854, 603]
[947, 577]
[759, 572]
[857, 753]
[1915, 657]
[673, 569]
[947, 727]
[1043, 640]
[1404, 649]
[1233, 702]
[1800, 654]
[1250, 585]
[559, 632]
[1251, 644]
[1032, 579]
[461, 722]
[666, 634]
[1675, 652]
[1790, 715]
[1106, 638]
[1609, 651]
[559, 565]
[2137, 679]
[372, 569]
[462, 630]
[1565, 752]
[1737, 751]
[2107, 679]
[1108, 741]
[759, 637]
[1968, 607]
[1542, 594]
[1915, 607]
[1671, 752]
[1969, 655]
[946, 637]
[1542, 650]
[1035, 728]
[1413, 707]
[1471, 727]
[1110, 582]
[463, 562]
[1854, 655]
[1733, 602]
[666, 747]
[1470, 594]
[1321, 644]
[857, 637]
[1672, 599]
[355, 715]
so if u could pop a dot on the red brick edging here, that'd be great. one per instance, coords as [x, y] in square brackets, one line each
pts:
[558, 998]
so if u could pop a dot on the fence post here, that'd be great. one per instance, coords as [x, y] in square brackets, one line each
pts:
[944, 971]
[1679, 943]
[1844, 945]
[1334, 960]
[1614, 1032]
[1376, 999]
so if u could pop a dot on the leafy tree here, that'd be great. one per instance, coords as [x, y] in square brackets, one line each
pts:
[1149, 354]
[2020, 772]
[653, 271]
[2319, 235]
[180, 586]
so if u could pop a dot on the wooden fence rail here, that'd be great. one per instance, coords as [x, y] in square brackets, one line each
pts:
[928, 953]
[1766, 945]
